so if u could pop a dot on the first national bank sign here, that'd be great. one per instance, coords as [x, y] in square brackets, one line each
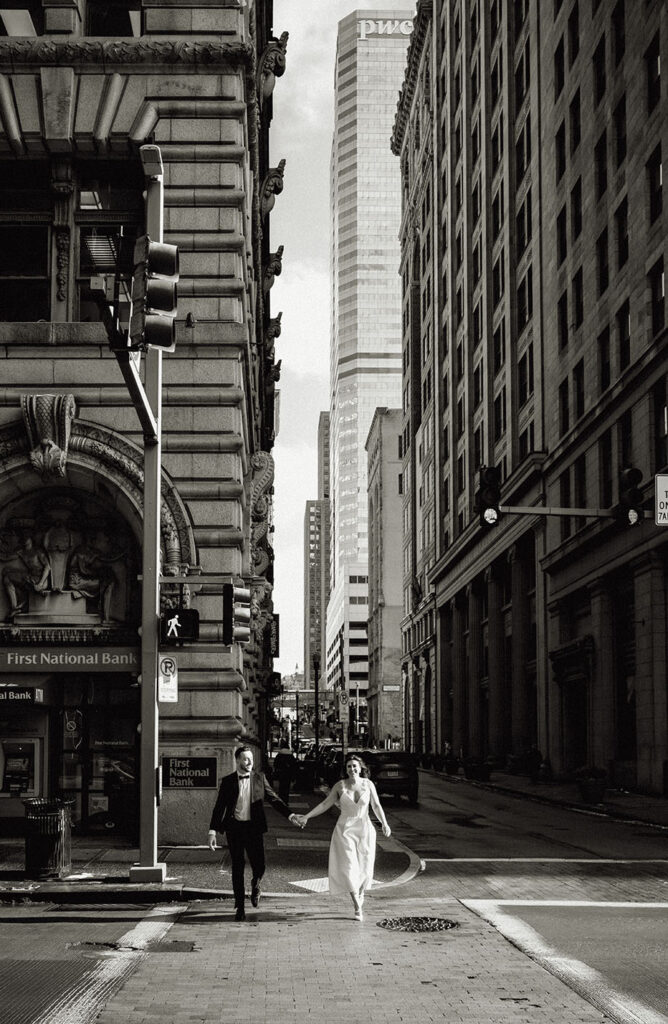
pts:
[70, 659]
[383, 27]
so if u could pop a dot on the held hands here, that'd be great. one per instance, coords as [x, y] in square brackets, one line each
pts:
[298, 819]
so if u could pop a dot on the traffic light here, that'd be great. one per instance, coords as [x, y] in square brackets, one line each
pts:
[236, 614]
[489, 495]
[630, 494]
[179, 625]
[154, 300]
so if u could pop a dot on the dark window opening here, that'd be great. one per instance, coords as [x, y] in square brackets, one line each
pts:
[113, 18]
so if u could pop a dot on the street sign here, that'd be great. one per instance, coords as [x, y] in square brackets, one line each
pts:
[168, 680]
[343, 698]
[661, 499]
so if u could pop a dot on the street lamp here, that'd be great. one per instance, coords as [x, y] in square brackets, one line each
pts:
[316, 680]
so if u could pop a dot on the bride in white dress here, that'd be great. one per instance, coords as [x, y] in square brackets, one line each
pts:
[352, 851]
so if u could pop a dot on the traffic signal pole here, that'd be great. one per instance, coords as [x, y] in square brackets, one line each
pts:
[148, 869]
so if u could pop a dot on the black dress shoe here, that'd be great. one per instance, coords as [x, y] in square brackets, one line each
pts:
[256, 892]
[240, 914]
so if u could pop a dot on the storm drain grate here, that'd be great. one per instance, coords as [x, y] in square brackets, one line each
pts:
[418, 924]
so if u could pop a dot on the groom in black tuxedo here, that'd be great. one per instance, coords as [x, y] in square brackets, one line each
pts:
[239, 813]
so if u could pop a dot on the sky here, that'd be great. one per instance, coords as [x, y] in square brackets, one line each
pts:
[301, 133]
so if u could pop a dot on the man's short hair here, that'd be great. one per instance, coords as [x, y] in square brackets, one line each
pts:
[239, 751]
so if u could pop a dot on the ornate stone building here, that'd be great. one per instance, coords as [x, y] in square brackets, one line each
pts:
[82, 87]
[532, 139]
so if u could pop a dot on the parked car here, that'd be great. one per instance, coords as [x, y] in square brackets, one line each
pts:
[394, 773]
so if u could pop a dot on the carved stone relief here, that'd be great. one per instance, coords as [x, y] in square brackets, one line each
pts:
[272, 186]
[262, 555]
[271, 66]
[48, 420]
[273, 268]
[66, 559]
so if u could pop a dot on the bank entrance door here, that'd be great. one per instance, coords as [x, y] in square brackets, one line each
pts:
[98, 758]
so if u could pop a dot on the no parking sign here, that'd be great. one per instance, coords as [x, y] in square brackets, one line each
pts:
[168, 680]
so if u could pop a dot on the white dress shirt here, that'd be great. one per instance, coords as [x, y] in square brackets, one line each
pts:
[242, 811]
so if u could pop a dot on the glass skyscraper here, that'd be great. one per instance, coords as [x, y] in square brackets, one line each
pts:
[365, 356]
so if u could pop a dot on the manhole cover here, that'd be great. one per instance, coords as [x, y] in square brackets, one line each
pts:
[417, 924]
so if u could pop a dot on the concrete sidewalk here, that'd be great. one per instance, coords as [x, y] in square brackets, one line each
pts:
[617, 803]
[309, 960]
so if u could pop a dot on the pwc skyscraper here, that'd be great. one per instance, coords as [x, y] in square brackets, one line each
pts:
[365, 353]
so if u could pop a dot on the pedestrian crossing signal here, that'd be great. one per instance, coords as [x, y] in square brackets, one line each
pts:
[179, 625]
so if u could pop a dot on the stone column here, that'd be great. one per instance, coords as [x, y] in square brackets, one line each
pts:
[651, 674]
[458, 679]
[474, 738]
[444, 679]
[602, 692]
[553, 749]
[518, 676]
[497, 732]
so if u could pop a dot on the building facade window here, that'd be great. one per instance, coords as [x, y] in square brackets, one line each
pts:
[653, 68]
[601, 164]
[620, 131]
[562, 238]
[623, 322]
[599, 71]
[622, 232]
[604, 359]
[578, 298]
[559, 71]
[655, 184]
[602, 268]
[562, 320]
[575, 122]
[564, 409]
[657, 286]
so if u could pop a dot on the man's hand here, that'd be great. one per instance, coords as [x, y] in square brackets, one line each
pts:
[298, 819]
[211, 842]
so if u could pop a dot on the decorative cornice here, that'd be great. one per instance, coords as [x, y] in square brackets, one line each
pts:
[406, 94]
[75, 52]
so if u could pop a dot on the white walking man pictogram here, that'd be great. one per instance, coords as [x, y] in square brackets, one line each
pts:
[173, 625]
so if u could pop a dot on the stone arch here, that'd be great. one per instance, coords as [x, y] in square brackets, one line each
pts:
[103, 462]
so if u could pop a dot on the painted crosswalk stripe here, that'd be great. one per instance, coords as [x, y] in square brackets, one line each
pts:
[582, 978]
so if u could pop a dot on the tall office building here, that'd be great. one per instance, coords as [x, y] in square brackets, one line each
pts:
[365, 358]
[316, 562]
[531, 140]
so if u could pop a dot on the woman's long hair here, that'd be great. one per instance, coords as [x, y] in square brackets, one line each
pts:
[364, 771]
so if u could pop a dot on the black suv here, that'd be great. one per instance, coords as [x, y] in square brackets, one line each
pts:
[394, 772]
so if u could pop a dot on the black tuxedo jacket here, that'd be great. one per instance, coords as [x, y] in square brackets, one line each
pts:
[228, 794]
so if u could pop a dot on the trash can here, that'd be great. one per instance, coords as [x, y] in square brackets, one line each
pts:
[48, 838]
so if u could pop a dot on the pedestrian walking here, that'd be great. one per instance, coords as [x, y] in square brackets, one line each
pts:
[285, 771]
[352, 850]
[239, 813]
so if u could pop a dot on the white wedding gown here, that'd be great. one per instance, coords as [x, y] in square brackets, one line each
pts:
[352, 851]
